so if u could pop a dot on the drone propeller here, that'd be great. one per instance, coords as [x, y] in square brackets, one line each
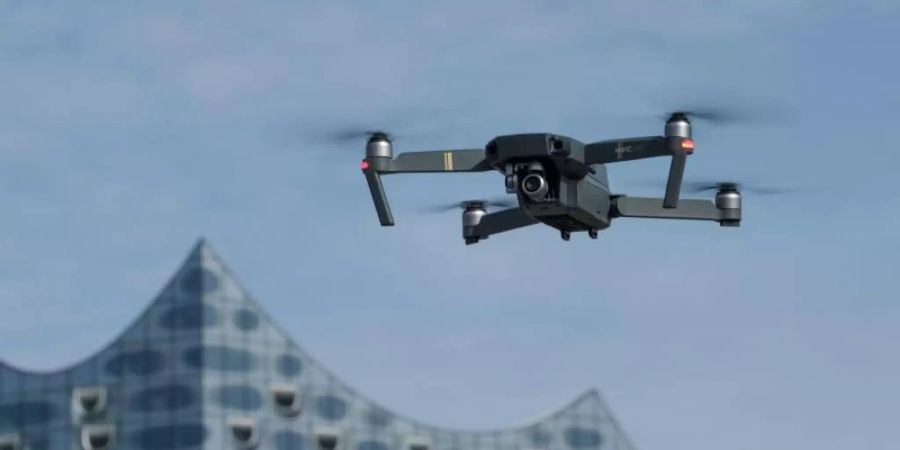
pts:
[712, 115]
[719, 105]
[698, 186]
[703, 186]
[500, 202]
[413, 123]
[718, 115]
[353, 135]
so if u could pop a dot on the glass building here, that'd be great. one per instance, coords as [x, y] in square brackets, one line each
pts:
[205, 368]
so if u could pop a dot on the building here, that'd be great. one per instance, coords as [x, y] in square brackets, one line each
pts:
[205, 368]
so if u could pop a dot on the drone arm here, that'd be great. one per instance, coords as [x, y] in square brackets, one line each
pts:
[653, 208]
[435, 161]
[373, 178]
[497, 222]
[677, 147]
[416, 162]
[605, 152]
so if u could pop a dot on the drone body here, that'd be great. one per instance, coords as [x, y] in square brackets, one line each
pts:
[558, 181]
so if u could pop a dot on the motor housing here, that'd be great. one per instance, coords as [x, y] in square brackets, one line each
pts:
[678, 125]
[728, 200]
[379, 146]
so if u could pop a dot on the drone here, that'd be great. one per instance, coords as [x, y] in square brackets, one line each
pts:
[558, 181]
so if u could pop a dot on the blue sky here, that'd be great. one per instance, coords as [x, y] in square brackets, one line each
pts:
[130, 129]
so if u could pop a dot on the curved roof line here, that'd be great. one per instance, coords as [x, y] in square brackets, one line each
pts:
[196, 252]
[201, 242]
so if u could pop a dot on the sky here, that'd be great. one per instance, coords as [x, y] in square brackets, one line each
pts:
[129, 129]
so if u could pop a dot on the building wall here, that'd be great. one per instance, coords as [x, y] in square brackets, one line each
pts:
[204, 362]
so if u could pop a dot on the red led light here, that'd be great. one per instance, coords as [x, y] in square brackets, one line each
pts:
[364, 165]
[687, 145]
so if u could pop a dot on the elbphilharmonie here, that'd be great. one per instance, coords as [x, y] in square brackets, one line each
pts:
[204, 367]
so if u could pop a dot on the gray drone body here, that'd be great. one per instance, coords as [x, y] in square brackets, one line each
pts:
[557, 180]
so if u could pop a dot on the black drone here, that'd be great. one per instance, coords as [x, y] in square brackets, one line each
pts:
[558, 180]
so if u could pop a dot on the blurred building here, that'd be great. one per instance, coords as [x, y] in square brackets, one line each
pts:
[205, 368]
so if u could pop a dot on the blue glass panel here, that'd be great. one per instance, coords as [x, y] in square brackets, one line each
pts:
[246, 320]
[189, 317]
[139, 362]
[239, 397]
[330, 407]
[219, 357]
[29, 413]
[583, 438]
[289, 365]
[372, 445]
[378, 418]
[165, 398]
[37, 443]
[539, 436]
[198, 281]
[289, 440]
[170, 436]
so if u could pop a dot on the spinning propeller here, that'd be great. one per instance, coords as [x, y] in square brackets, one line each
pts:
[355, 135]
[699, 186]
[500, 202]
[703, 186]
[718, 116]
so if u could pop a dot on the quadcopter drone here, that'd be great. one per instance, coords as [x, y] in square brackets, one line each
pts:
[558, 181]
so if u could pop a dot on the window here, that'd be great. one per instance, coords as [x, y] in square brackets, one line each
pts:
[10, 442]
[97, 437]
[245, 432]
[89, 401]
[418, 443]
[327, 438]
[286, 399]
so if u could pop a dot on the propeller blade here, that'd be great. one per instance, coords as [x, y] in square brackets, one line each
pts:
[718, 116]
[497, 202]
[721, 105]
[355, 135]
[699, 186]
[704, 186]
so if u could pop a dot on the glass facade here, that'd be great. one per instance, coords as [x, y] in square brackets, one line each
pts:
[205, 368]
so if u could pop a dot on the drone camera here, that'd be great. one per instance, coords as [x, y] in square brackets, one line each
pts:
[534, 184]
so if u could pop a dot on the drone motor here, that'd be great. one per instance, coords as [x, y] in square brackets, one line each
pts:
[728, 200]
[379, 146]
[678, 125]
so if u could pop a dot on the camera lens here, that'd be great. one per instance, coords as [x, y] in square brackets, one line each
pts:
[535, 187]
[532, 183]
